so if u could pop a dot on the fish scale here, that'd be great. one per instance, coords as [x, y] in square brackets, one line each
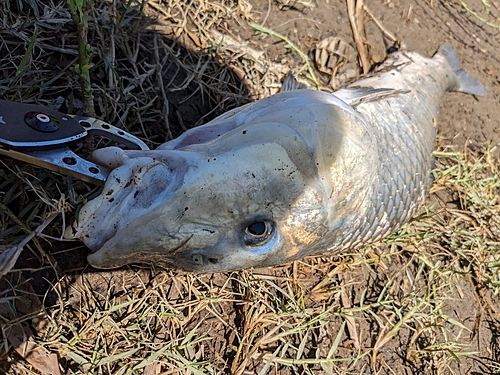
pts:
[413, 168]
[405, 174]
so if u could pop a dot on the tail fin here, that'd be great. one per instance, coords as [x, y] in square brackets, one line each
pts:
[468, 84]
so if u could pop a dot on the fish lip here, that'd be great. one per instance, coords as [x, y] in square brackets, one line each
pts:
[127, 195]
[132, 244]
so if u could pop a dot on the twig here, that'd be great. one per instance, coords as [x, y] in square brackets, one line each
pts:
[80, 10]
[269, 4]
[353, 7]
[8, 257]
[159, 76]
[379, 24]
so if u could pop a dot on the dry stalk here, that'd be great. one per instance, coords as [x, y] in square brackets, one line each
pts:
[354, 9]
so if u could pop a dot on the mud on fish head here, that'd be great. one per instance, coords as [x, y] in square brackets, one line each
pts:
[206, 208]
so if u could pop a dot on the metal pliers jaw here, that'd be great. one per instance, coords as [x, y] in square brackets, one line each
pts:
[43, 136]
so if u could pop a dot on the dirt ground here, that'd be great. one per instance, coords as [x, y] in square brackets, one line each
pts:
[358, 314]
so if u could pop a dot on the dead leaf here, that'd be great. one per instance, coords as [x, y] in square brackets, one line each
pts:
[332, 53]
[24, 302]
[19, 336]
[153, 368]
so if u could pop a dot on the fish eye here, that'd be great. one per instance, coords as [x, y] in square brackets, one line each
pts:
[197, 259]
[258, 233]
[257, 229]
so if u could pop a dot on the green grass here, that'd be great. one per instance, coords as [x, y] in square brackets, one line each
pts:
[486, 15]
[425, 300]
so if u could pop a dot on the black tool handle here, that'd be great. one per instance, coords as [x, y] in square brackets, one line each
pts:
[34, 126]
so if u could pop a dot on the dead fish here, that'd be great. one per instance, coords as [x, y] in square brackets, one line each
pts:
[300, 173]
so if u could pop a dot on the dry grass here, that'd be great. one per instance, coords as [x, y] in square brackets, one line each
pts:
[425, 301]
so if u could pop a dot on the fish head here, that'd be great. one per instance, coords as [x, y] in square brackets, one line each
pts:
[245, 200]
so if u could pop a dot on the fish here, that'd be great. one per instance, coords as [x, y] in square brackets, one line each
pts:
[300, 173]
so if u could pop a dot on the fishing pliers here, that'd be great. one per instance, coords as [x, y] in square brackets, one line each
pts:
[47, 138]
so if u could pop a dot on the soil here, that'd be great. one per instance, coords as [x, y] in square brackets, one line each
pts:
[464, 121]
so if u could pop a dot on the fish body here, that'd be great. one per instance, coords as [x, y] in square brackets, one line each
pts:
[300, 173]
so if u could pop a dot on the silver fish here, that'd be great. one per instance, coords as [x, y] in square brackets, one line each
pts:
[300, 173]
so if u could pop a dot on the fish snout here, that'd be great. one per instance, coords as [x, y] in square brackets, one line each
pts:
[133, 188]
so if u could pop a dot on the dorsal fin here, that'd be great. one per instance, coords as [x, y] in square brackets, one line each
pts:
[291, 84]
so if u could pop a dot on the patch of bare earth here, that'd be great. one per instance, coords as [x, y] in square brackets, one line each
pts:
[425, 301]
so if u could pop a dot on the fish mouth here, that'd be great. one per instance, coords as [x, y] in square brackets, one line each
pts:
[136, 187]
[137, 248]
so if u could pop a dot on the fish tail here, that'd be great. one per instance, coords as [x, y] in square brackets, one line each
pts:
[468, 84]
